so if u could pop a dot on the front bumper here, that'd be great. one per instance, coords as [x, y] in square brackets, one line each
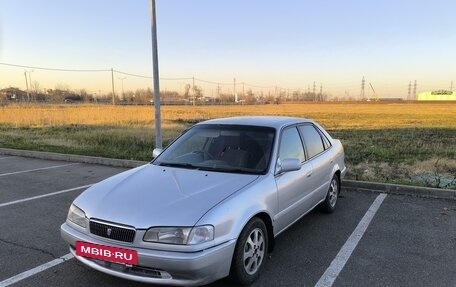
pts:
[160, 267]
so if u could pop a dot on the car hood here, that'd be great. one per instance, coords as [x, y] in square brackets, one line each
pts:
[153, 195]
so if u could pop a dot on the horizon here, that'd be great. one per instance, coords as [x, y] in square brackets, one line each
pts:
[266, 47]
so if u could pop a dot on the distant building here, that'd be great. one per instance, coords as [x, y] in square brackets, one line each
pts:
[440, 95]
[13, 94]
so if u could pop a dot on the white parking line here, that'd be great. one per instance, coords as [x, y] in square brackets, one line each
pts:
[43, 195]
[35, 270]
[36, 169]
[345, 252]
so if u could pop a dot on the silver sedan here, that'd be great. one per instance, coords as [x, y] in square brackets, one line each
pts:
[210, 205]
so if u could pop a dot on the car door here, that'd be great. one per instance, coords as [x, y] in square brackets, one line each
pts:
[316, 151]
[293, 187]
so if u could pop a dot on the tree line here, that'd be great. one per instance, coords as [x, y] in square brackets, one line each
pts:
[193, 95]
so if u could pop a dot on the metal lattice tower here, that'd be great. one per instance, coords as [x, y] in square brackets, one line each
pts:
[363, 83]
[409, 91]
[314, 94]
[321, 92]
[414, 90]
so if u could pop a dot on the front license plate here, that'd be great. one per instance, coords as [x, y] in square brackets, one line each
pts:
[107, 253]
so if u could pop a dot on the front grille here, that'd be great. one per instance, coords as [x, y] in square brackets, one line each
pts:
[112, 231]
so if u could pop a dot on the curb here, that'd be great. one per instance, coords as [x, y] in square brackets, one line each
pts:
[73, 158]
[347, 185]
[416, 191]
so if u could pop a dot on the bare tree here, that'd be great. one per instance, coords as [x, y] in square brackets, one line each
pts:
[35, 87]
[187, 91]
[250, 97]
[86, 97]
[197, 92]
[62, 87]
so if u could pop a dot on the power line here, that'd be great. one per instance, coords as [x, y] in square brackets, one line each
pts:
[149, 77]
[175, 79]
[258, 87]
[133, 75]
[127, 74]
[214, 83]
[310, 88]
[54, 69]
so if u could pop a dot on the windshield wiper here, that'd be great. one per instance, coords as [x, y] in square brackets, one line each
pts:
[178, 164]
[228, 169]
[208, 168]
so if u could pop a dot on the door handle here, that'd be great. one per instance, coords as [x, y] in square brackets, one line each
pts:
[309, 173]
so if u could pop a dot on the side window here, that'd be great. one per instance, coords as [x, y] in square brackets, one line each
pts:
[312, 140]
[325, 141]
[291, 145]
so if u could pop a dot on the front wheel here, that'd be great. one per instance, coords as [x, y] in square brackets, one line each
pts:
[250, 252]
[329, 205]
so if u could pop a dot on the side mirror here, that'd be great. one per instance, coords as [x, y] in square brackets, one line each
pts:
[288, 164]
[156, 152]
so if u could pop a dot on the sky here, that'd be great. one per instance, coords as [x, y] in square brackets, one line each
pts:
[266, 45]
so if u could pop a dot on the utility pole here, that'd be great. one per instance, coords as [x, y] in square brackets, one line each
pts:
[153, 26]
[234, 90]
[112, 83]
[363, 83]
[314, 94]
[218, 90]
[30, 78]
[30, 84]
[26, 83]
[276, 96]
[243, 95]
[414, 90]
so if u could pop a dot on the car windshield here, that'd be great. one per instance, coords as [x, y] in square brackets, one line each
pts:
[222, 148]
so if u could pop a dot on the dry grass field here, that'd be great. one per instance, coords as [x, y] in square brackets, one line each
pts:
[332, 115]
[409, 142]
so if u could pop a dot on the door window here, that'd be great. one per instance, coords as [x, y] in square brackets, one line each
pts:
[291, 145]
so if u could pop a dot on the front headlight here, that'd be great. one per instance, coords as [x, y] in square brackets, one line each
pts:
[77, 216]
[180, 235]
[200, 234]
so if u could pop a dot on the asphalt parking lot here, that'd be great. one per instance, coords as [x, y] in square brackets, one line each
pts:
[371, 239]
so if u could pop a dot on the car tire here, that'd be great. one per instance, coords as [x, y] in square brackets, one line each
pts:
[329, 205]
[250, 253]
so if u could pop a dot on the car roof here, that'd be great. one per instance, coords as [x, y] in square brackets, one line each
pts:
[276, 122]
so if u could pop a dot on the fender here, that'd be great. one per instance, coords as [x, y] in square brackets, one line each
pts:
[232, 214]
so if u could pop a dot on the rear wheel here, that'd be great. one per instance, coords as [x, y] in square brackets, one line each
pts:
[329, 205]
[250, 252]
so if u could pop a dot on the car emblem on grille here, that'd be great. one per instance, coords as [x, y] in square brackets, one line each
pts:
[108, 232]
